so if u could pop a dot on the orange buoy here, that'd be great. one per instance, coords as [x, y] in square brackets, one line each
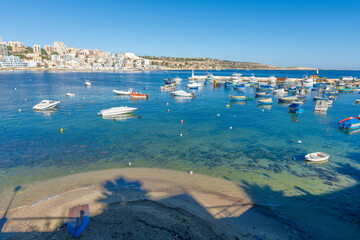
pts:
[69, 114]
[80, 106]
[168, 110]
[92, 101]
[19, 110]
[182, 121]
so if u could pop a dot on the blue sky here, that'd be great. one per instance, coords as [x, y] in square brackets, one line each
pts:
[323, 34]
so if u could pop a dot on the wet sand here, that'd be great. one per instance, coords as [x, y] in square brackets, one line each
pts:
[140, 203]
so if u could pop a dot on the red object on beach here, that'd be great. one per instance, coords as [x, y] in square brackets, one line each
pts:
[138, 95]
[78, 218]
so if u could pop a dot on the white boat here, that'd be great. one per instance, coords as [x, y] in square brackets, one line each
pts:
[330, 102]
[193, 85]
[46, 104]
[236, 77]
[308, 82]
[177, 80]
[321, 105]
[272, 80]
[70, 94]
[116, 111]
[253, 79]
[122, 92]
[278, 91]
[317, 157]
[181, 93]
[87, 83]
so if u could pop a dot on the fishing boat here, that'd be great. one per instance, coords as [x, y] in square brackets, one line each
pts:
[321, 105]
[167, 88]
[238, 98]
[278, 91]
[182, 93]
[123, 92]
[116, 111]
[350, 123]
[266, 101]
[168, 81]
[78, 219]
[253, 79]
[261, 94]
[236, 77]
[272, 80]
[70, 94]
[308, 82]
[357, 89]
[229, 84]
[287, 99]
[317, 157]
[209, 77]
[301, 96]
[138, 95]
[346, 89]
[207, 81]
[357, 101]
[218, 84]
[46, 105]
[295, 108]
[239, 86]
[87, 83]
[320, 98]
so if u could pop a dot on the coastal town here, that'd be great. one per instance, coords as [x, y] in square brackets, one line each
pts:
[15, 55]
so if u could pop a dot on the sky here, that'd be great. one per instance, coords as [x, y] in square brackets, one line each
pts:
[320, 33]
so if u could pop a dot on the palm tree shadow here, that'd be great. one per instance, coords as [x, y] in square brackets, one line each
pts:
[3, 220]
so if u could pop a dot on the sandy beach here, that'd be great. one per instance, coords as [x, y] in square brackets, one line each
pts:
[140, 203]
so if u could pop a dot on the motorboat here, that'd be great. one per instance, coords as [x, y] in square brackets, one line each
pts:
[70, 94]
[317, 157]
[287, 99]
[138, 95]
[320, 98]
[177, 80]
[253, 79]
[229, 84]
[122, 92]
[278, 91]
[238, 98]
[308, 82]
[192, 86]
[236, 77]
[210, 77]
[295, 108]
[116, 111]
[87, 83]
[350, 123]
[266, 101]
[46, 105]
[321, 105]
[182, 93]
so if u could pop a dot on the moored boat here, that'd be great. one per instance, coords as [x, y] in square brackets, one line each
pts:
[238, 98]
[177, 80]
[321, 105]
[116, 111]
[46, 105]
[123, 92]
[87, 83]
[295, 108]
[70, 94]
[350, 123]
[287, 99]
[346, 89]
[261, 94]
[167, 88]
[182, 93]
[266, 101]
[138, 95]
[317, 157]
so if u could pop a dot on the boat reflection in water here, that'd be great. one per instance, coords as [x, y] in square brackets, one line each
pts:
[120, 117]
[234, 102]
[48, 112]
[268, 107]
[316, 163]
[294, 117]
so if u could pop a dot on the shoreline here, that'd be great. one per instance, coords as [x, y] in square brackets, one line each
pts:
[181, 204]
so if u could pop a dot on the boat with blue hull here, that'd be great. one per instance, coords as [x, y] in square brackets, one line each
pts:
[351, 123]
[295, 108]
[229, 84]
[78, 219]
[267, 101]
[238, 98]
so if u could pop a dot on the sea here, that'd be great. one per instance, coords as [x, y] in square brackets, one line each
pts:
[261, 148]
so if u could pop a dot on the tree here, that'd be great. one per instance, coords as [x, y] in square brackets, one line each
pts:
[43, 52]
[29, 49]
[9, 48]
[55, 53]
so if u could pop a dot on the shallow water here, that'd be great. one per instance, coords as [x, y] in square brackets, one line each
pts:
[258, 152]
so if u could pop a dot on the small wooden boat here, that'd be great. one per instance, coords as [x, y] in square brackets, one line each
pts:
[320, 98]
[138, 95]
[78, 219]
[346, 89]
[238, 98]
[350, 123]
[167, 88]
[296, 108]
[317, 157]
[193, 86]
[266, 101]
[261, 94]
[287, 99]
[218, 84]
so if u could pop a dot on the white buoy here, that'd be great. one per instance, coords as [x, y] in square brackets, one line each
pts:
[263, 110]
[230, 127]
[234, 115]
[299, 141]
[191, 172]
[15, 89]
[180, 134]
[129, 164]
[218, 114]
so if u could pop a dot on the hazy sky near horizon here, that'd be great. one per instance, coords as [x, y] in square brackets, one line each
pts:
[318, 33]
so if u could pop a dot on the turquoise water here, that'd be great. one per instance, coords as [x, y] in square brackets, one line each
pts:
[257, 152]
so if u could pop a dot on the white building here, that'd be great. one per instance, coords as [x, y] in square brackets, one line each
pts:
[13, 62]
[55, 58]
[3, 49]
[15, 44]
[37, 49]
[61, 48]
[69, 57]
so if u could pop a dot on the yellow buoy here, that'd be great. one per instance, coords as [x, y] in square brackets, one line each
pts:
[227, 106]
[62, 130]
[19, 110]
